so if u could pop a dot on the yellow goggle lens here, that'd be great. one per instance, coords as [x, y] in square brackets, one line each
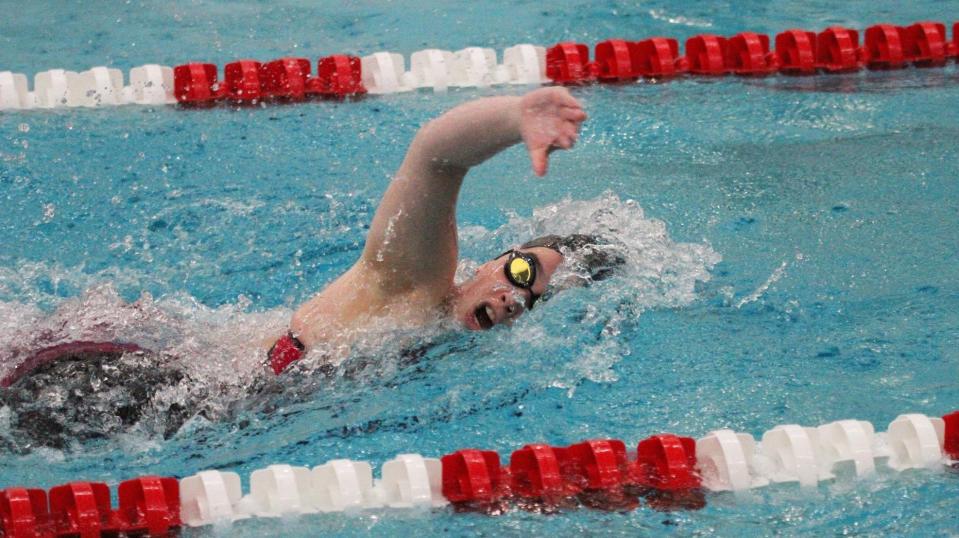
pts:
[521, 271]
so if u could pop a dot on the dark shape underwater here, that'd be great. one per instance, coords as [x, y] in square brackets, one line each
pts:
[82, 391]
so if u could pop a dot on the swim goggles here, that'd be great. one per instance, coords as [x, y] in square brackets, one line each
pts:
[520, 270]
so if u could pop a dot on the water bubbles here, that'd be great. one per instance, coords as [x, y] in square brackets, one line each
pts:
[49, 211]
[24, 127]
[126, 244]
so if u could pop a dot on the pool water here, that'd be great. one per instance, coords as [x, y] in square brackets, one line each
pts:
[793, 246]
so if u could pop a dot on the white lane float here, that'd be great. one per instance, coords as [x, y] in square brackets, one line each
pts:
[791, 453]
[382, 72]
[279, 490]
[430, 68]
[151, 84]
[915, 442]
[412, 481]
[525, 64]
[99, 86]
[726, 461]
[13, 91]
[52, 89]
[96, 87]
[475, 67]
[210, 497]
[344, 485]
[848, 441]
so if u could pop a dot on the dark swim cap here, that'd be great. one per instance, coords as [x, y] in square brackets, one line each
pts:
[593, 254]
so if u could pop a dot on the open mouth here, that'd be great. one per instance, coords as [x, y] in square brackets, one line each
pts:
[484, 316]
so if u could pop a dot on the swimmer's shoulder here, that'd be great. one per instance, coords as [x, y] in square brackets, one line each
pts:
[355, 302]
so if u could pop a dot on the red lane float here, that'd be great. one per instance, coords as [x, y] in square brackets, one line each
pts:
[747, 54]
[338, 75]
[82, 509]
[706, 55]
[195, 83]
[595, 465]
[796, 52]
[837, 50]
[657, 57]
[242, 81]
[535, 474]
[951, 445]
[472, 476]
[286, 78]
[667, 462]
[568, 63]
[885, 47]
[926, 44]
[614, 62]
[149, 504]
[954, 46]
[23, 513]
[251, 82]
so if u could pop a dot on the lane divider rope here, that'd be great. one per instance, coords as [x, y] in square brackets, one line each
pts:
[667, 471]
[797, 52]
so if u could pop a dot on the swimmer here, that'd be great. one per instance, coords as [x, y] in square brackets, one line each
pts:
[406, 271]
[66, 391]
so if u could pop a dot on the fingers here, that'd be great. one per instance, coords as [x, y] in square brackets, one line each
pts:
[539, 159]
[540, 156]
[574, 114]
[565, 141]
[567, 136]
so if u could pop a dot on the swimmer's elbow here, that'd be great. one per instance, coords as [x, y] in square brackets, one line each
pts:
[437, 152]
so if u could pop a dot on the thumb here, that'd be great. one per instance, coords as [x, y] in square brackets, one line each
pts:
[539, 159]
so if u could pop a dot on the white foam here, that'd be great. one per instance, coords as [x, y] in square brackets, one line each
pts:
[221, 350]
[659, 273]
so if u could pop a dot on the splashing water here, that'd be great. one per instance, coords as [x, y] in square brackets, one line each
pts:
[205, 364]
[658, 273]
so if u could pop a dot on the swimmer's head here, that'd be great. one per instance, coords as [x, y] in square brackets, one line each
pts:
[510, 284]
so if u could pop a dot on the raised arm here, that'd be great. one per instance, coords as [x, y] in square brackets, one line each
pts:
[412, 245]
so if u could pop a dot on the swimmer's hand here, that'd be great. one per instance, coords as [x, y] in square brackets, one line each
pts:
[549, 120]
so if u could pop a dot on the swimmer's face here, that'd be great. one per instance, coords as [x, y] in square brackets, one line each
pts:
[489, 298]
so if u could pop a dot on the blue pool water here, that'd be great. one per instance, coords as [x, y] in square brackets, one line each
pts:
[793, 245]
